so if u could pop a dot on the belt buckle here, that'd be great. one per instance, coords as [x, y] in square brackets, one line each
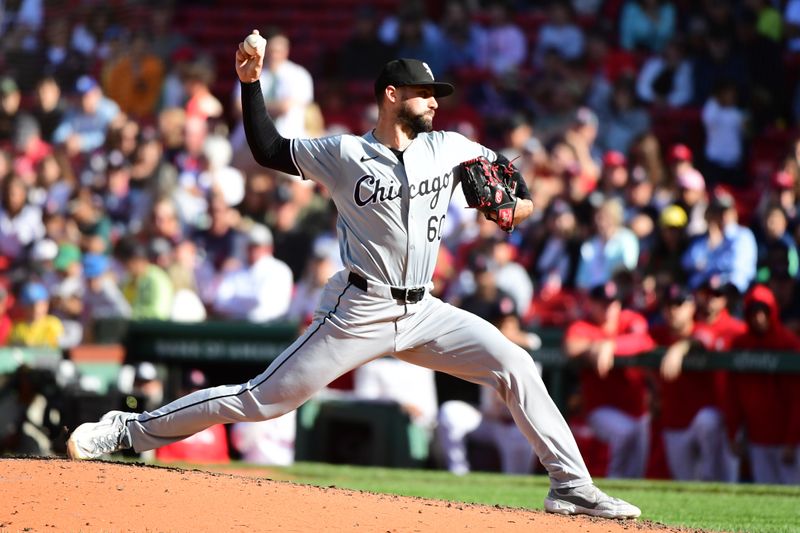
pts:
[413, 296]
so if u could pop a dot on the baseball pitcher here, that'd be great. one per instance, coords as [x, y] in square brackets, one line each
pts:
[392, 187]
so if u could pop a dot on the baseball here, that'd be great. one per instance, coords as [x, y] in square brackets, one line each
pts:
[254, 43]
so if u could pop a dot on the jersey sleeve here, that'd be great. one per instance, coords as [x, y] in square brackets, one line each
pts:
[318, 160]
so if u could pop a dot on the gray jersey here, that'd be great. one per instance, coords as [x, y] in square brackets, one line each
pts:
[391, 214]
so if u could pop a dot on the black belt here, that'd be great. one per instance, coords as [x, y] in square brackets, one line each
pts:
[409, 296]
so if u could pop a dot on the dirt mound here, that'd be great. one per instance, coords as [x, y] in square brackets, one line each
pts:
[59, 495]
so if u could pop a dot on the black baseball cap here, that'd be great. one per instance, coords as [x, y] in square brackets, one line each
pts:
[677, 294]
[403, 72]
[606, 292]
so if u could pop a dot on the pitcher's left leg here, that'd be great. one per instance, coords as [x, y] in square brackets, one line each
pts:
[452, 340]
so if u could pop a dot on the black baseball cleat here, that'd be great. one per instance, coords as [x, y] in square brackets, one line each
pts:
[588, 500]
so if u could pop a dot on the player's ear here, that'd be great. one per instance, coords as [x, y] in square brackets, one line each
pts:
[391, 93]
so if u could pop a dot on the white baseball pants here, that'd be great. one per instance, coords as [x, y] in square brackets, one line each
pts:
[768, 466]
[352, 327]
[700, 452]
[627, 438]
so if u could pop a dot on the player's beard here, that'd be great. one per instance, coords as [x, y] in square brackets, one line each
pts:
[421, 123]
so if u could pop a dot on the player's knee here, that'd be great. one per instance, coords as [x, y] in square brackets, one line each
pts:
[455, 413]
[708, 422]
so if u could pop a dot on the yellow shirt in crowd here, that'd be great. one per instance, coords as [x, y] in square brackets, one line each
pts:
[45, 331]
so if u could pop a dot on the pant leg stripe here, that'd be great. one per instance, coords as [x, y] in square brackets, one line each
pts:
[248, 389]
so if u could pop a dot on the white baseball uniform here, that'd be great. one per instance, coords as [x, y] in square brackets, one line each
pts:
[391, 215]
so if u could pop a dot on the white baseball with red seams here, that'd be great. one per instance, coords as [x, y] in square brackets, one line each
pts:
[253, 43]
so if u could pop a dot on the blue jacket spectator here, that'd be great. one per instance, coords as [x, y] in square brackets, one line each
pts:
[727, 249]
[648, 24]
[614, 248]
[84, 128]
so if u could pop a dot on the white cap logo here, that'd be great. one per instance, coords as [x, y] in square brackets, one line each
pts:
[428, 70]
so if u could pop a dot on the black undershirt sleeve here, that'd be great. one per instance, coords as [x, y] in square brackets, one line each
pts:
[269, 148]
[522, 187]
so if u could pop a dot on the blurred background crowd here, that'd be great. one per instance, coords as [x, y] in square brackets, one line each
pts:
[658, 138]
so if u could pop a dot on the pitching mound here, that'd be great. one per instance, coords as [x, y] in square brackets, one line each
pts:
[59, 495]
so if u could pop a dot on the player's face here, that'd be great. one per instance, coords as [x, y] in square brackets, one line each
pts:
[417, 107]
[679, 314]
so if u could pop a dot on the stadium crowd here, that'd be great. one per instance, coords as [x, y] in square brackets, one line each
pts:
[657, 139]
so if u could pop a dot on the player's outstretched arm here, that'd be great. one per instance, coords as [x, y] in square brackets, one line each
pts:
[269, 148]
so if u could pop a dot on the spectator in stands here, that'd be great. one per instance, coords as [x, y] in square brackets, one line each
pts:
[29, 146]
[59, 58]
[134, 80]
[191, 193]
[148, 288]
[647, 24]
[36, 327]
[642, 208]
[363, 54]
[222, 244]
[506, 45]
[581, 135]
[389, 30]
[666, 79]
[612, 248]
[724, 124]
[164, 39]
[726, 249]
[693, 426]
[692, 198]
[615, 399]
[463, 40]
[209, 446]
[92, 34]
[511, 276]
[222, 177]
[10, 98]
[622, 119]
[201, 102]
[614, 176]
[84, 127]
[767, 406]
[103, 298]
[560, 34]
[662, 265]
[718, 64]
[308, 291]
[556, 263]
[20, 222]
[151, 173]
[260, 291]
[782, 192]
[777, 250]
[125, 207]
[412, 41]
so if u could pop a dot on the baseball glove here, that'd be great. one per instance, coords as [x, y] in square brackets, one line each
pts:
[489, 188]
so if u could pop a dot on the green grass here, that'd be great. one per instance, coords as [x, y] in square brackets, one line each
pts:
[714, 507]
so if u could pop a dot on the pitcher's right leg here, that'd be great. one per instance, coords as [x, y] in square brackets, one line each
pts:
[328, 349]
